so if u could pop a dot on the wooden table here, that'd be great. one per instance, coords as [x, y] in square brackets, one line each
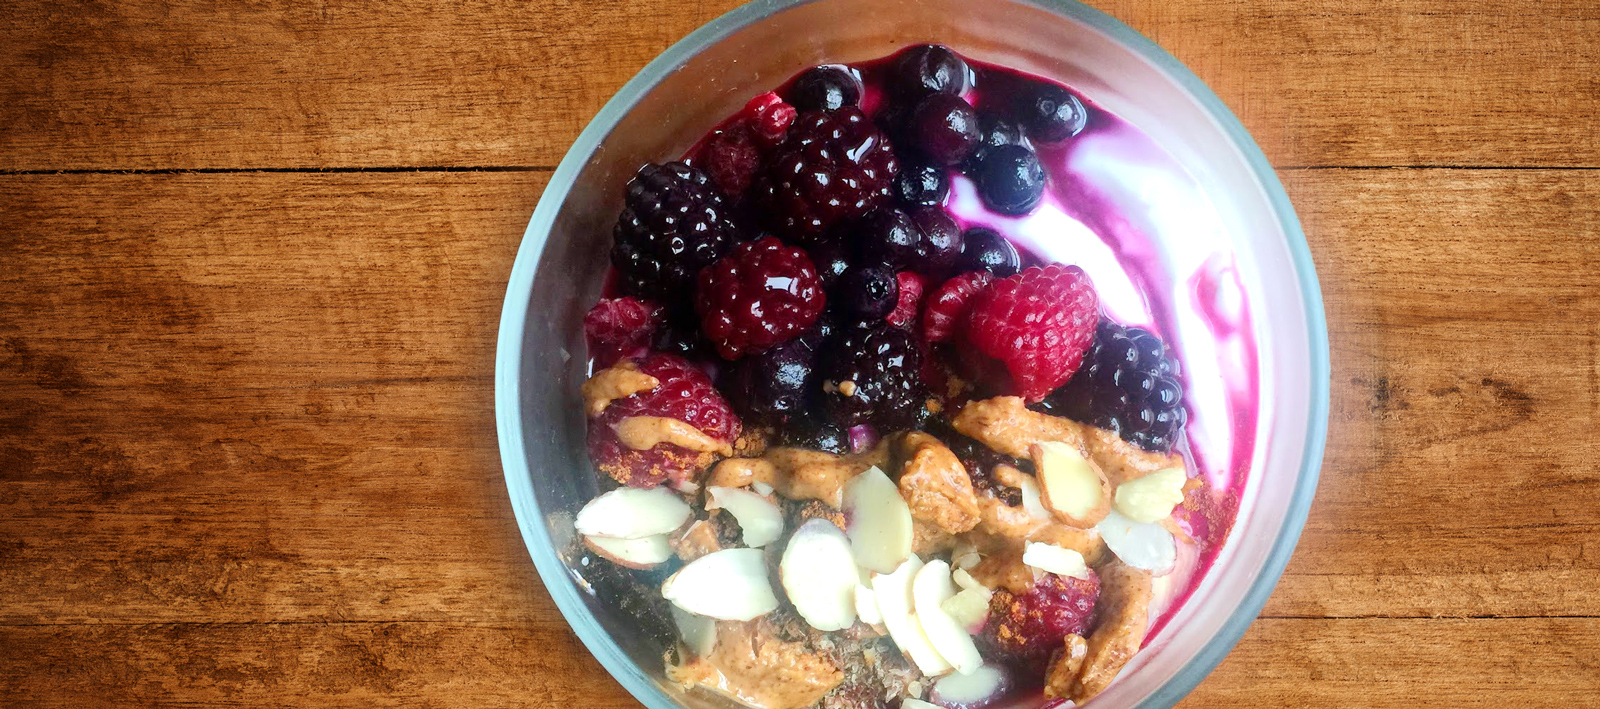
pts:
[251, 265]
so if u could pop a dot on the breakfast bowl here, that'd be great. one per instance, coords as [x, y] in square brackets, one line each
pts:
[1226, 270]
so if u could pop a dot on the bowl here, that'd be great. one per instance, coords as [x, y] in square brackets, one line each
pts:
[559, 268]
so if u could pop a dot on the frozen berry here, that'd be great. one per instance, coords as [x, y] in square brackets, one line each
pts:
[947, 304]
[920, 185]
[888, 235]
[684, 393]
[1051, 113]
[908, 302]
[619, 328]
[925, 69]
[681, 336]
[831, 259]
[825, 88]
[941, 240]
[769, 118]
[996, 129]
[1010, 179]
[984, 249]
[867, 292]
[1129, 383]
[761, 294]
[869, 374]
[731, 159]
[944, 128]
[816, 436]
[772, 387]
[835, 165]
[674, 223]
[1038, 324]
[1028, 627]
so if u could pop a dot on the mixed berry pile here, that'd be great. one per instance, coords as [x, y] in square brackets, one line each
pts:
[796, 287]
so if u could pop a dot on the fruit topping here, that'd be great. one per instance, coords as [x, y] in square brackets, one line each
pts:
[925, 69]
[1050, 113]
[632, 513]
[888, 235]
[773, 387]
[879, 522]
[947, 306]
[1010, 179]
[1038, 324]
[731, 159]
[769, 118]
[870, 375]
[941, 240]
[868, 292]
[921, 185]
[908, 300]
[674, 223]
[831, 259]
[1151, 498]
[763, 293]
[1029, 626]
[944, 128]
[620, 327]
[731, 584]
[835, 165]
[819, 575]
[1071, 486]
[825, 88]
[684, 394]
[1128, 385]
[986, 250]
[760, 521]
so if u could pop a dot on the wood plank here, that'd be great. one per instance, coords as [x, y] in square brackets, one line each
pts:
[186, 436]
[1523, 662]
[150, 85]
[1520, 662]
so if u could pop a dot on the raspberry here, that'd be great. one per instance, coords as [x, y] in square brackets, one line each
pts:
[1038, 324]
[904, 314]
[835, 165]
[1030, 626]
[1129, 384]
[941, 316]
[763, 293]
[870, 375]
[619, 328]
[674, 223]
[769, 118]
[685, 393]
[731, 159]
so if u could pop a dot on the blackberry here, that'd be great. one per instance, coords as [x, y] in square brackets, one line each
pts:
[772, 387]
[674, 223]
[815, 436]
[835, 165]
[870, 374]
[980, 462]
[1129, 384]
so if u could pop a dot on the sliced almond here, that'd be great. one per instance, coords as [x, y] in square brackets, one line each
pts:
[1152, 497]
[880, 525]
[632, 513]
[893, 591]
[759, 518]
[1056, 560]
[931, 588]
[642, 553]
[1070, 485]
[819, 575]
[731, 584]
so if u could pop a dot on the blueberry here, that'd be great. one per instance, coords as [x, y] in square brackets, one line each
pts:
[941, 240]
[773, 386]
[1051, 113]
[825, 88]
[995, 130]
[868, 292]
[831, 258]
[1010, 179]
[945, 128]
[986, 250]
[889, 236]
[920, 185]
[925, 69]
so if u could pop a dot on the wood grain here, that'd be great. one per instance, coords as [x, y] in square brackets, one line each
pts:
[159, 85]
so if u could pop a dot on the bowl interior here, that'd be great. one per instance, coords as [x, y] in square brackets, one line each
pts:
[712, 73]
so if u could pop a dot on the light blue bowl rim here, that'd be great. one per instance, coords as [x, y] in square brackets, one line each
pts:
[508, 363]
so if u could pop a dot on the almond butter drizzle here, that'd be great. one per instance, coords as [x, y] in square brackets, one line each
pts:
[618, 382]
[645, 432]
